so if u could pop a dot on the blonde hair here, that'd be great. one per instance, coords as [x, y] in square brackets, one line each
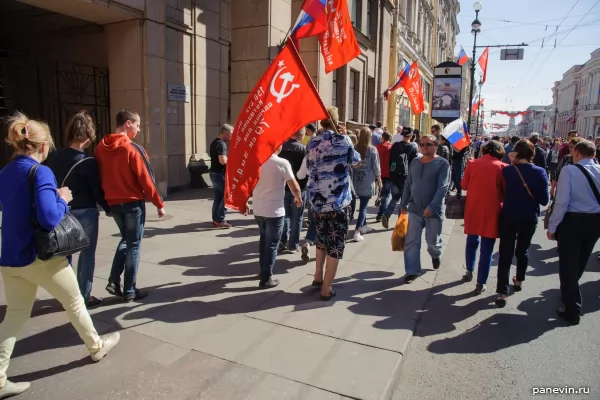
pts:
[353, 138]
[364, 141]
[80, 128]
[28, 135]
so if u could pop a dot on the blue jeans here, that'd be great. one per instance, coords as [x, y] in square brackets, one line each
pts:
[130, 218]
[270, 235]
[457, 174]
[362, 211]
[218, 208]
[412, 246]
[396, 192]
[485, 256]
[88, 218]
[292, 224]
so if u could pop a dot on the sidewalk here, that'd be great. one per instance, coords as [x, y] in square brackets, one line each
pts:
[207, 332]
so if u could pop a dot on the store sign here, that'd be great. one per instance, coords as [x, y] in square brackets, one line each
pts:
[177, 92]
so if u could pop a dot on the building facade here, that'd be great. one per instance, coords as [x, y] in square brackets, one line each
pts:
[187, 66]
[576, 99]
[427, 32]
[538, 119]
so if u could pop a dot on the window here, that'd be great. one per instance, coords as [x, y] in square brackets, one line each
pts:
[334, 89]
[426, 89]
[370, 99]
[353, 96]
[356, 13]
[370, 33]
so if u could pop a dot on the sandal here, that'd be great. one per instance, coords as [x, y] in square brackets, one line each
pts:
[329, 296]
[317, 283]
[516, 287]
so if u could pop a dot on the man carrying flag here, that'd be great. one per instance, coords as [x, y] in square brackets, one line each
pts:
[457, 134]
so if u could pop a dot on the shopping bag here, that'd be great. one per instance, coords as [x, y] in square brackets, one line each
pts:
[399, 234]
[455, 207]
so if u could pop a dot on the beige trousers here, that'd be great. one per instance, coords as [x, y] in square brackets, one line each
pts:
[20, 286]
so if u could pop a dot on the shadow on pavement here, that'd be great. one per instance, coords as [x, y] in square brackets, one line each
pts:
[501, 331]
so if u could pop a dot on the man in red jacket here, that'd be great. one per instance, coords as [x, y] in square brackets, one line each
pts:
[127, 180]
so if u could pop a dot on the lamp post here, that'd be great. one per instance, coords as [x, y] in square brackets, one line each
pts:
[475, 29]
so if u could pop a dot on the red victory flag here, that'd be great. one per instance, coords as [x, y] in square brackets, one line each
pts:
[411, 82]
[283, 101]
[338, 43]
[476, 106]
[483, 62]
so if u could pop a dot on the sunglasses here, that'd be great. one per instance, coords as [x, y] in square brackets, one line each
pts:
[427, 144]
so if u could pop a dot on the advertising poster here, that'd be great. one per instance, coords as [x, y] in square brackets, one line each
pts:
[446, 98]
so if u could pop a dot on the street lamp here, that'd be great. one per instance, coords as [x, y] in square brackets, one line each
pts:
[475, 29]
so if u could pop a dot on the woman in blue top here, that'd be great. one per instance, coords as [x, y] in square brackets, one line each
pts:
[525, 189]
[75, 169]
[22, 271]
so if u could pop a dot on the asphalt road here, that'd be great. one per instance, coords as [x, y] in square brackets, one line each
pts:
[465, 348]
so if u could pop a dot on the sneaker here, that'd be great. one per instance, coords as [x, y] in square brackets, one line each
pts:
[114, 289]
[358, 237]
[108, 342]
[138, 295]
[305, 253]
[410, 278]
[271, 283]
[366, 229]
[281, 248]
[468, 276]
[221, 225]
[479, 288]
[13, 388]
[385, 221]
[92, 302]
[436, 263]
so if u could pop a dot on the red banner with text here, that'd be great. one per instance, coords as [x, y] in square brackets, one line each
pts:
[338, 43]
[411, 82]
[283, 101]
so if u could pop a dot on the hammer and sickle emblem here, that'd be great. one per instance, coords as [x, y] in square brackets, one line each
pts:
[412, 73]
[286, 78]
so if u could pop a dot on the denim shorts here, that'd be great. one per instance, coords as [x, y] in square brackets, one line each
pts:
[332, 229]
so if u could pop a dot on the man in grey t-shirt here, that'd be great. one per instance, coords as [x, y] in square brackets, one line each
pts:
[423, 198]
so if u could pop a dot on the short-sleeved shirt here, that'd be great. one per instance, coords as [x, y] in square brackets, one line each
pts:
[268, 195]
[217, 148]
[294, 151]
[329, 157]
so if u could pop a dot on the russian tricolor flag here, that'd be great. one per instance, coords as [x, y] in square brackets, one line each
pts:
[398, 82]
[311, 21]
[457, 133]
[462, 56]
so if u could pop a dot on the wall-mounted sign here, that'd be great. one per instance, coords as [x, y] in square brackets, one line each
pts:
[177, 92]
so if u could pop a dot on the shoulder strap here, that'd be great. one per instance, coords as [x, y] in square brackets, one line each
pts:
[72, 168]
[590, 181]
[31, 179]
[524, 183]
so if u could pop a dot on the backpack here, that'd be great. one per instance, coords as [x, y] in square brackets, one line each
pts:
[399, 161]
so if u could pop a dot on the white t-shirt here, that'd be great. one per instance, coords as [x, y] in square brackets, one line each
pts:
[268, 195]
[398, 137]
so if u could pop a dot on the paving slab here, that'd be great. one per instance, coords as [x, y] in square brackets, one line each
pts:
[207, 332]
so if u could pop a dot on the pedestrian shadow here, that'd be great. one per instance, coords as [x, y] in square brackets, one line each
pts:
[45, 373]
[502, 330]
[192, 227]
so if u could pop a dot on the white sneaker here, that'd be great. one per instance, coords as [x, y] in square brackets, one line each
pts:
[366, 229]
[108, 342]
[358, 237]
[12, 389]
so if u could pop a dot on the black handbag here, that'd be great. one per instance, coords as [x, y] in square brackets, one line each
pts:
[455, 207]
[68, 237]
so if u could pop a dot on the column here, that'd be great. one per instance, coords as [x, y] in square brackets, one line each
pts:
[257, 27]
